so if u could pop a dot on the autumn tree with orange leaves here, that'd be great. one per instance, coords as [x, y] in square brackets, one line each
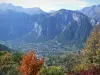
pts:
[30, 64]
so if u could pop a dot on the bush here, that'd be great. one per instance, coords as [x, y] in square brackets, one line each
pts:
[51, 71]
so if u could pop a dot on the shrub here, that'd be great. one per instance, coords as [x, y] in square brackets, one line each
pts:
[51, 71]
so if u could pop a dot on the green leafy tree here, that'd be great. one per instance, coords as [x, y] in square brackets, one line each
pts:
[6, 62]
[93, 44]
[17, 57]
[53, 70]
[7, 65]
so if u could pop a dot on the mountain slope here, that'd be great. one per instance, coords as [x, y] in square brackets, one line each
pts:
[92, 12]
[4, 48]
[52, 11]
[63, 25]
[75, 32]
[32, 11]
[13, 24]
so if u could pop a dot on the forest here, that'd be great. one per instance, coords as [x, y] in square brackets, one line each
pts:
[85, 62]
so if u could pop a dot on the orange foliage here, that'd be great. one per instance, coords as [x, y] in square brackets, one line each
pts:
[30, 65]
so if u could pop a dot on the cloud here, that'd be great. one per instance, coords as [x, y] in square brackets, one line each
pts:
[49, 4]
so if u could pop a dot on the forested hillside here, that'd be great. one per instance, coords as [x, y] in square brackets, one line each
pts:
[85, 62]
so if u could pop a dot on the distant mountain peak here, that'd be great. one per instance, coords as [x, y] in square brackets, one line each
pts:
[52, 11]
[59, 12]
[92, 11]
[30, 11]
[64, 11]
[37, 8]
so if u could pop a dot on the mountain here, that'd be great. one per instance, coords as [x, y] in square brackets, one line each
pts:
[6, 6]
[92, 11]
[14, 24]
[48, 33]
[52, 11]
[65, 26]
[4, 48]
[30, 11]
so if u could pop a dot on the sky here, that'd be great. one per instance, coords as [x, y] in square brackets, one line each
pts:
[48, 5]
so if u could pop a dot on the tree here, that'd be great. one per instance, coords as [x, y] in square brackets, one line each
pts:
[91, 59]
[17, 57]
[93, 43]
[30, 65]
[53, 70]
[7, 64]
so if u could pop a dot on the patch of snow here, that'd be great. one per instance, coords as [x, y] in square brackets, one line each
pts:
[93, 22]
[75, 17]
[36, 25]
[98, 23]
[37, 28]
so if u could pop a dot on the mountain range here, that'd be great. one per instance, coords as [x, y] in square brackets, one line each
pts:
[33, 25]
[30, 11]
[64, 26]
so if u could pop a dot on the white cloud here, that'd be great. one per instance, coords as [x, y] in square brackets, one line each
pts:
[49, 4]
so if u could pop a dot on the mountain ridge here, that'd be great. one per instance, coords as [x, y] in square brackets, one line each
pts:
[92, 11]
[56, 23]
[62, 24]
[30, 11]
